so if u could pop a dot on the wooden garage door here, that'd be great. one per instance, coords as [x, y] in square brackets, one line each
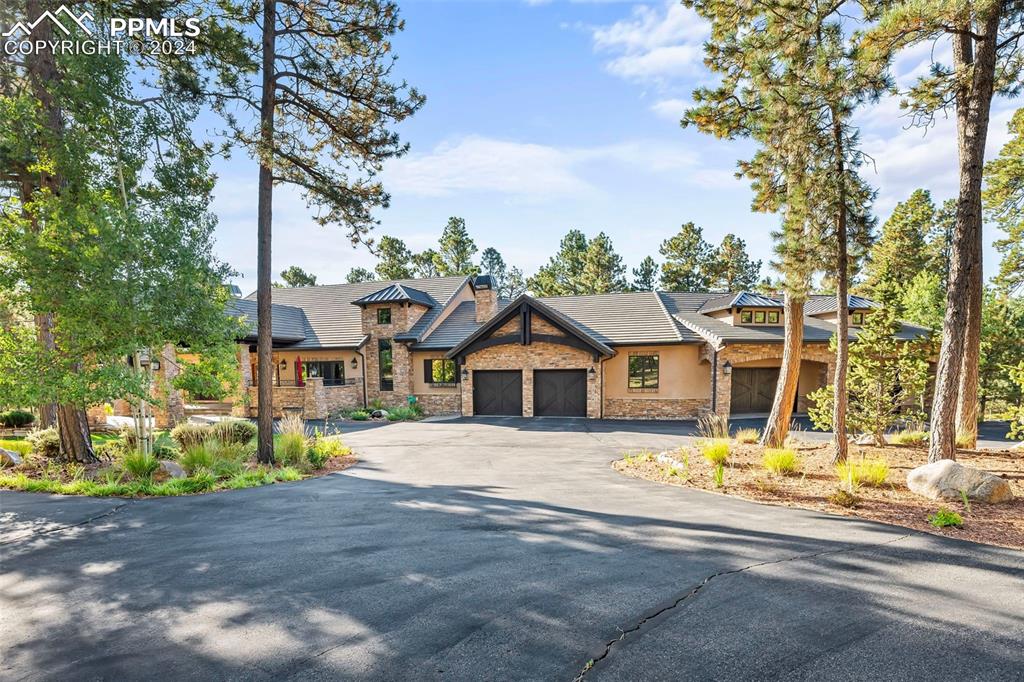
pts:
[498, 392]
[560, 393]
[753, 389]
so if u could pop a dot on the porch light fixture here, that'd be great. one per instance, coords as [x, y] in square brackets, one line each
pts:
[465, 373]
[284, 364]
[591, 373]
[727, 368]
[355, 363]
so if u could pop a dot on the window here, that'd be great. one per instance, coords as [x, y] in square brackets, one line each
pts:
[387, 365]
[383, 315]
[643, 372]
[439, 371]
[773, 317]
[857, 318]
[759, 317]
[332, 371]
[746, 317]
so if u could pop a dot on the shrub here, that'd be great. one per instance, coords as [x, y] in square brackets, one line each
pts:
[195, 458]
[716, 452]
[713, 426]
[402, 413]
[233, 431]
[844, 498]
[163, 446]
[290, 449]
[909, 437]
[109, 450]
[780, 461]
[22, 447]
[292, 423]
[139, 465]
[323, 449]
[16, 418]
[45, 442]
[872, 472]
[748, 436]
[286, 474]
[963, 440]
[945, 517]
[719, 475]
[236, 452]
[226, 468]
[360, 415]
[189, 435]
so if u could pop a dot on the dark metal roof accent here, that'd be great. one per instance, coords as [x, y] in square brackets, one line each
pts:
[288, 323]
[483, 282]
[396, 293]
[743, 299]
[553, 316]
[819, 304]
[332, 320]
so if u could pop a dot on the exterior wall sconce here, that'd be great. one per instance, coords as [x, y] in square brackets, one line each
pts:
[355, 363]
[591, 373]
[727, 368]
[465, 373]
[284, 364]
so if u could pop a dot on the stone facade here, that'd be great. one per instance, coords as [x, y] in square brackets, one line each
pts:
[346, 397]
[240, 406]
[403, 317]
[439, 403]
[656, 408]
[740, 354]
[486, 304]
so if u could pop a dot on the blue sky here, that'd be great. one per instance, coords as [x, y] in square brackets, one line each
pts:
[547, 116]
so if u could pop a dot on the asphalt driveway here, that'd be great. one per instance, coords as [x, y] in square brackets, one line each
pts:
[492, 549]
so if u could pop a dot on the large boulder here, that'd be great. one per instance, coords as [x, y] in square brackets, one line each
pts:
[170, 469]
[945, 479]
[9, 459]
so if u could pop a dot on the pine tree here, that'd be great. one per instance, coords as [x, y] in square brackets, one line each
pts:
[923, 301]
[356, 275]
[902, 250]
[563, 274]
[393, 259]
[295, 276]
[645, 277]
[603, 271]
[424, 264]
[731, 267]
[688, 261]
[455, 250]
[508, 282]
[985, 37]
[1004, 204]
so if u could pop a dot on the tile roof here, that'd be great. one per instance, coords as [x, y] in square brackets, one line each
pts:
[459, 324]
[817, 304]
[622, 319]
[333, 322]
[288, 323]
[396, 293]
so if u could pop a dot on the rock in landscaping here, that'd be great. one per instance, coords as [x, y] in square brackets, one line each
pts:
[171, 469]
[945, 479]
[379, 414]
[9, 459]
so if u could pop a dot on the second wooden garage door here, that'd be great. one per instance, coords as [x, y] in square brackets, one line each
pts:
[560, 393]
[753, 390]
[498, 392]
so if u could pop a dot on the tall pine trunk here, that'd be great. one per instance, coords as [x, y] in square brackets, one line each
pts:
[842, 303]
[72, 421]
[264, 338]
[967, 395]
[777, 427]
[960, 341]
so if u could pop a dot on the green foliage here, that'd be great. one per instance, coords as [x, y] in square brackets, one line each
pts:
[730, 268]
[910, 437]
[403, 413]
[1004, 206]
[456, 249]
[139, 465]
[213, 376]
[945, 518]
[424, 263]
[689, 261]
[872, 473]
[964, 441]
[188, 435]
[290, 449]
[886, 381]
[393, 259]
[747, 436]
[239, 431]
[603, 271]
[924, 299]
[780, 461]
[356, 275]
[713, 426]
[21, 447]
[323, 448]
[563, 275]
[16, 418]
[509, 282]
[196, 457]
[295, 276]
[359, 415]
[645, 277]
[45, 442]
[1016, 413]
[1002, 349]
[716, 452]
[719, 475]
[844, 498]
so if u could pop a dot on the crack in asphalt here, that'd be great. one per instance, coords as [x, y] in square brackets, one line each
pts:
[49, 531]
[692, 592]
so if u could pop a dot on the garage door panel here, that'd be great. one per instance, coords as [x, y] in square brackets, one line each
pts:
[560, 393]
[753, 389]
[498, 392]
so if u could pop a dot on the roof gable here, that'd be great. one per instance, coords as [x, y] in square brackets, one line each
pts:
[396, 293]
[743, 299]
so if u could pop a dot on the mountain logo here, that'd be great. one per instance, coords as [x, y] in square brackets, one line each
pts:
[27, 27]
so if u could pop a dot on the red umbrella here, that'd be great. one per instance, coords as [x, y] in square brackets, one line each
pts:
[298, 371]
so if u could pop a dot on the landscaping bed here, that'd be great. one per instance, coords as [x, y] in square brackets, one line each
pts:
[815, 485]
[191, 459]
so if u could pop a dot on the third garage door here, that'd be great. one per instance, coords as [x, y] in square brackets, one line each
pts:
[498, 392]
[753, 389]
[560, 393]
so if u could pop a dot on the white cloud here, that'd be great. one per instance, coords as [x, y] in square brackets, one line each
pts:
[671, 109]
[654, 43]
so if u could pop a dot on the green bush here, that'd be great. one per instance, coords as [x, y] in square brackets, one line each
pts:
[290, 449]
[195, 458]
[716, 451]
[360, 415]
[945, 518]
[45, 442]
[22, 447]
[16, 418]
[872, 473]
[286, 474]
[140, 466]
[719, 474]
[402, 413]
[909, 437]
[226, 468]
[233, 431]
[748, 436]
[323, 449]
[780, 461]
[109, 449]
[188, 435]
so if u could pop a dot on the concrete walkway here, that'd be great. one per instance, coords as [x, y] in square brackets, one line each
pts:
[500, 549]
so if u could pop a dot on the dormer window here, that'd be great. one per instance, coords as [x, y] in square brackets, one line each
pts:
[746, 317]
[759, 316]
[773, 317]
[383, 315]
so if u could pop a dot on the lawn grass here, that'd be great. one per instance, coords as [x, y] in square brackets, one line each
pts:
[200, 483]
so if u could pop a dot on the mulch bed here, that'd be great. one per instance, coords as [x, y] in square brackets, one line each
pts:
[994, 524]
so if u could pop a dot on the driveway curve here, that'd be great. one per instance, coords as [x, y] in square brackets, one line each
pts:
[492, 549]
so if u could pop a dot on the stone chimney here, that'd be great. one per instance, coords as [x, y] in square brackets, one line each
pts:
[486, 298]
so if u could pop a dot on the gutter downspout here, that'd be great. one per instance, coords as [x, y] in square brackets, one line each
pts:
[360, 354]
[714, 380]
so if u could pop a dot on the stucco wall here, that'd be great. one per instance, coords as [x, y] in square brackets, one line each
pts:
[681, 374]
